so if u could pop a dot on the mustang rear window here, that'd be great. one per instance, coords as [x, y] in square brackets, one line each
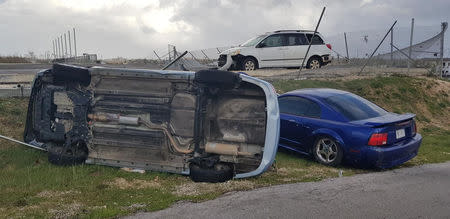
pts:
[354, 107]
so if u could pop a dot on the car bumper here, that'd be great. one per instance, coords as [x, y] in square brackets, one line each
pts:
[387, 157]
[326, 59]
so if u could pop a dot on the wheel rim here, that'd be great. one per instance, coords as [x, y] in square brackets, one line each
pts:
[326, 150]
[315, 64]
[249, 65]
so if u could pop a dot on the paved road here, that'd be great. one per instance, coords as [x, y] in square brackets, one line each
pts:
[417, 192]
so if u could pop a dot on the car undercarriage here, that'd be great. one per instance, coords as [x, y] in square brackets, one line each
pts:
[212, 125]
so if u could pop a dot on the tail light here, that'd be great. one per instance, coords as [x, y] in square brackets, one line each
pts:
[378, 139]
[414, 128]
[328, 45]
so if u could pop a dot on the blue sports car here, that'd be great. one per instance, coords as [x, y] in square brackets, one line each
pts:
[335, 126]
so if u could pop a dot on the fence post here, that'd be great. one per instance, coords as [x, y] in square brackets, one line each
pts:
[411, 41]
[441, 54]
[392, 47]
[310, 42]
[346, 46]
[373, 53]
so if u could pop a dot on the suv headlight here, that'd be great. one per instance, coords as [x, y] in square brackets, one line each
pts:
[236, 52]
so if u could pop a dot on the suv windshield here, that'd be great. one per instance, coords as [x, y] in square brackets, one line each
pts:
[354, 107]
[253, 41]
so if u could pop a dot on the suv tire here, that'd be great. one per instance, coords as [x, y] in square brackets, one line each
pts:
[249, 64]
[314, 63]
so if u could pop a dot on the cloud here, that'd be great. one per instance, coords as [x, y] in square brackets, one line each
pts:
[124, 28]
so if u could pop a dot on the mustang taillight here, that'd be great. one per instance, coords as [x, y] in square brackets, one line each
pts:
[414, 128]
[378, 139]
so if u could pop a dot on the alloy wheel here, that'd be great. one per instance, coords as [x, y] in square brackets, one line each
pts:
[326, 150]
[315, 64]
[249, 65]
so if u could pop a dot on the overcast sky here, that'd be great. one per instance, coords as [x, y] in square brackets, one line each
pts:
[134, 28]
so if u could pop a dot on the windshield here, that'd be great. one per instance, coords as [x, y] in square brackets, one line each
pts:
[354, 107]
[253, 41]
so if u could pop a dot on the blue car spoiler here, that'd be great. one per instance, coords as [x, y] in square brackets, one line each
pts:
[388, 119]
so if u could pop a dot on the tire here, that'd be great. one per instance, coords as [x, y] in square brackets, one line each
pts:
[72, 156]
[249, 64]
[219, 173]
[217, 78]
[314, 63]
[327, 151]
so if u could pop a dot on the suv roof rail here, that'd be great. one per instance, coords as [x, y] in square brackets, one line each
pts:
[278, 31]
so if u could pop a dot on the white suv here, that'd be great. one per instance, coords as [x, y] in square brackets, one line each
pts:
[282, 48]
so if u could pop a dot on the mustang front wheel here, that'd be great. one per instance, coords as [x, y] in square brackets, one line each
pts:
[327, 151]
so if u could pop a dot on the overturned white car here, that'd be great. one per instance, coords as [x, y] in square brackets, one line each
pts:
[212, 125]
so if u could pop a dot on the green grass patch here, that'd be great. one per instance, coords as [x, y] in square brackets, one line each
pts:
[31, 187]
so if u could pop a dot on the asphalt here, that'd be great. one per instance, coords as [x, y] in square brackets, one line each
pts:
[416, 192]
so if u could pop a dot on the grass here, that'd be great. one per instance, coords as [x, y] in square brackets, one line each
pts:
[31, 187]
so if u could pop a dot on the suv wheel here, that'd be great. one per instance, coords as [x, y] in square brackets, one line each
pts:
[314, 63]
[249, 64]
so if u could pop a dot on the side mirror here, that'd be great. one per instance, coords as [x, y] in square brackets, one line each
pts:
[261, 45]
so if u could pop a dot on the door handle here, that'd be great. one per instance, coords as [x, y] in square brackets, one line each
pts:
[291, 120]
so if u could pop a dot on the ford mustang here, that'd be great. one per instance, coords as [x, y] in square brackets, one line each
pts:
[335, 126]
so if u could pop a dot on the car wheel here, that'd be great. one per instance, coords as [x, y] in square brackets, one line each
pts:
[314, 63]
[249, 64]
[218, 173]
[327, 151]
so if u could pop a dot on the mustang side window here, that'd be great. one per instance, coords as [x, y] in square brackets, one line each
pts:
[299, 106]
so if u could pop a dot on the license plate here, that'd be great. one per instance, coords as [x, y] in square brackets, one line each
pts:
[400, 133]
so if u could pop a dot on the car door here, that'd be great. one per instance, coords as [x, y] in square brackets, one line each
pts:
[297, 116]
[297, 44]
[271, 51]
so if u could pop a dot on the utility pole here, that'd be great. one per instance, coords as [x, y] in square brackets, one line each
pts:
[411, 41]
[74, 42]
[70, 44]
[346, 46]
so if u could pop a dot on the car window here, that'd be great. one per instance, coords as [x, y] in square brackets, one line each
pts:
[354, 107]
[273, 41]
[253, 41]
[299, 106]
[296, 39]
[316, 40]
